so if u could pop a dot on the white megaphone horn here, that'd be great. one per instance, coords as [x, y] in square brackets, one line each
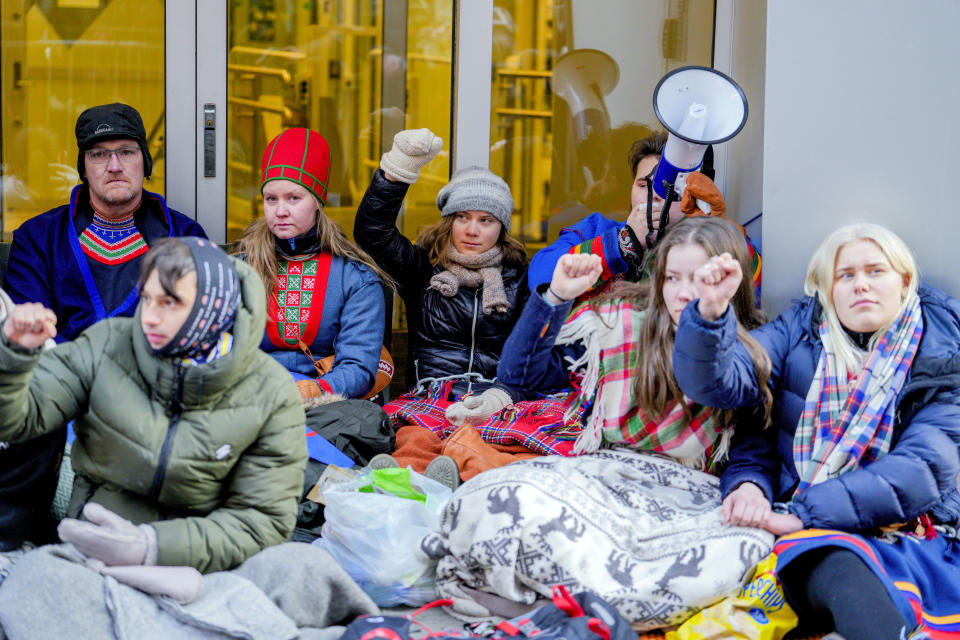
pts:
[698, 106]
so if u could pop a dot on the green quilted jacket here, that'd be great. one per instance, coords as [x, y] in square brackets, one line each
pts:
[211, 455]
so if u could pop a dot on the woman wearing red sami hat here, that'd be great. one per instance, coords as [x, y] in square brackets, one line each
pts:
[325, 295]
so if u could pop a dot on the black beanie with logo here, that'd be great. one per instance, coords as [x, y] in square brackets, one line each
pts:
[107, 122]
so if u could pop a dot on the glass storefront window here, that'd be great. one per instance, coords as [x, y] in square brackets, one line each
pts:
[58, 58]
[347, 70]
[572, 90]
[356, 71]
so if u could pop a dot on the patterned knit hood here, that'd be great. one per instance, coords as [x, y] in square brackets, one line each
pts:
[202, 386]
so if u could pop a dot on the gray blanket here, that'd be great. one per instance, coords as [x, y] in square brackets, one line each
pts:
[289, 591]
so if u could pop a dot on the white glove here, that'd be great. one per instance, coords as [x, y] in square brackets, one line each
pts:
[478, 409]
[183, 584]
[109, 538]
[412, 149]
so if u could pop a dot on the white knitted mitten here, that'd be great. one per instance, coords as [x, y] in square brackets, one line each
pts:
[412, 149]
[478, 409]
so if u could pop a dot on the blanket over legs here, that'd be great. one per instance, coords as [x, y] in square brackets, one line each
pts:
[638, 529]
[288, 591]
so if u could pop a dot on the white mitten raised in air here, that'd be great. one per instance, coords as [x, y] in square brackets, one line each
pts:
[412, 149]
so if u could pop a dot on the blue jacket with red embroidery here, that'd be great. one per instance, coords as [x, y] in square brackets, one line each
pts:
[596, 231]
[348, 296]
[48, 265]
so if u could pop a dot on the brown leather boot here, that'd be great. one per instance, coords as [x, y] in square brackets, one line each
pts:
[474, 456]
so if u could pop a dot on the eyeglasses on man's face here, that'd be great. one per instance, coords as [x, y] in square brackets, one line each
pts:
[102, 156]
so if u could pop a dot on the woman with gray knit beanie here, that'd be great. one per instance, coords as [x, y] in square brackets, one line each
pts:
[463, 281]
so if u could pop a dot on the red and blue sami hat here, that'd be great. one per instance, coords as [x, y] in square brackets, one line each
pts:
[299, 155]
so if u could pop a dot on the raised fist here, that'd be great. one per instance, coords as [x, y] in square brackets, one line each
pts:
[717, 281]
[574, 274]
[412, 149]
[30, 325]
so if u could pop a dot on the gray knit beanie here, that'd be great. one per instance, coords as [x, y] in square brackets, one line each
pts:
[477, 189]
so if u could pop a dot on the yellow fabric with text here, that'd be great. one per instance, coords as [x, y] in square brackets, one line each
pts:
[758, 612]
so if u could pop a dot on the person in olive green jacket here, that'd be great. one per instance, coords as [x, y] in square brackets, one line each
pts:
[190, 446]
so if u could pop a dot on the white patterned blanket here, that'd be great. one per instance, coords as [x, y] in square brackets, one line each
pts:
[639, 530]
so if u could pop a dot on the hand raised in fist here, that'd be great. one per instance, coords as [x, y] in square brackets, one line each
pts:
[30, 325]
[717, 281]
[574, 274]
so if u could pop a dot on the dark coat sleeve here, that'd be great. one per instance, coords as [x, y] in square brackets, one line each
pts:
[532, 364]
[27, 279]
[375, 230]
[713, 368]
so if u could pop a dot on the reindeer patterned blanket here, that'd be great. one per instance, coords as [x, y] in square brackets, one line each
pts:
[640, 530]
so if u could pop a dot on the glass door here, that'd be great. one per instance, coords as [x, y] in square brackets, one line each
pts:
[58, 57]
[356, 72]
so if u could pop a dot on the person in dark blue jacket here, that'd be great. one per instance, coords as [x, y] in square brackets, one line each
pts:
[536, 361]
[863, 449]
[82, 261]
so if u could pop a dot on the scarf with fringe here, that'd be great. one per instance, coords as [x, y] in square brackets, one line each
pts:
[612, 363]
[846, 422]
[471, 271]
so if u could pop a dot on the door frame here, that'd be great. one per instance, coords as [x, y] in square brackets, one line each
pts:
[196, 74]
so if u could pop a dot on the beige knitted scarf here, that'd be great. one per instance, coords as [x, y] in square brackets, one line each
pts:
[471, 271]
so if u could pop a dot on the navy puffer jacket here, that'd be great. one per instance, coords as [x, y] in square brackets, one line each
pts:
[920, 472]
[448, 336]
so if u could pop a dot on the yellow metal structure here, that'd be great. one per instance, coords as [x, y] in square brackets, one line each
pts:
[561, 169]
[322, 65]
[58, 58]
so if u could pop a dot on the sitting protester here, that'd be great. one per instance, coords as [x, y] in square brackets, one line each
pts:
[463, 282]
[863, 450]
[639, 525]
[325, 296]
[190, 448]
[463, 279]
[81, 260]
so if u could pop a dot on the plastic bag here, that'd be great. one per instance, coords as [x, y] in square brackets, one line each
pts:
[375, 535]
[758, 612]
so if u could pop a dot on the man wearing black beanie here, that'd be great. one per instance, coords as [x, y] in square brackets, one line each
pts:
[82, 261]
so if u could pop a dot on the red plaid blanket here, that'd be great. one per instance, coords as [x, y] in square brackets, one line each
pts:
[538, 425]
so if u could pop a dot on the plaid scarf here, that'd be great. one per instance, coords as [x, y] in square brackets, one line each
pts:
[847, 422]
[612, 359]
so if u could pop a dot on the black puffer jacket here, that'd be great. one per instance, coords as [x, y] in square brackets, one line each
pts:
[448, 336]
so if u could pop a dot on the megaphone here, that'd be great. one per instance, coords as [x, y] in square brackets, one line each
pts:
[698, 106]
[582, 78]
